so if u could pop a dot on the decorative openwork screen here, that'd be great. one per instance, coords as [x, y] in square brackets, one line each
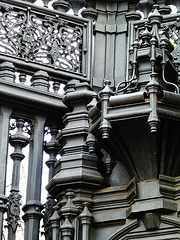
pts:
[45, 39]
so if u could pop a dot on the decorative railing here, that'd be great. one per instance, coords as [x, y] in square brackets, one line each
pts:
[158, 33]
[44, 39]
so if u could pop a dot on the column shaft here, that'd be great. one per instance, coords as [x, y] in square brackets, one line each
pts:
[5, 113]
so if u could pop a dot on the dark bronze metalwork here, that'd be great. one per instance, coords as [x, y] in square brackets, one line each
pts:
[115, 126]
[52, 41]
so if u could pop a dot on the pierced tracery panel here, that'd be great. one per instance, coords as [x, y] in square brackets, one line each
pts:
[47, 40]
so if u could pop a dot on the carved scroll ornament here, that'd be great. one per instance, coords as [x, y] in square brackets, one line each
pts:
[46, 40]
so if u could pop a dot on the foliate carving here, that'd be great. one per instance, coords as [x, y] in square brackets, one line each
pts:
[13, 211]
[45, 40]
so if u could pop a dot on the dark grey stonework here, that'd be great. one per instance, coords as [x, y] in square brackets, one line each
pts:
[116, 124]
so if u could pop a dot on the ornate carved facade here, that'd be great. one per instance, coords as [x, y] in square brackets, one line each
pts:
[116, 124]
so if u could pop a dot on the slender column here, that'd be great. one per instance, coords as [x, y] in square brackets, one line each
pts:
[18, 141]
[33, 205]
[5, 113]
[22, 78]
[52, 147]
[56, 86]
